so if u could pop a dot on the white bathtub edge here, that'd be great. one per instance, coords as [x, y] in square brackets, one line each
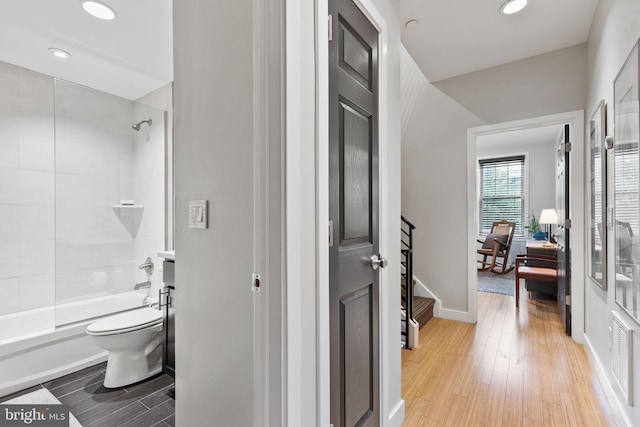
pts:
[23, 383]
[10, 347]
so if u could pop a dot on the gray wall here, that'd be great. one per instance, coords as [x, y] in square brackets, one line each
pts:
[614, 31]
[434, 149]
[213, 154]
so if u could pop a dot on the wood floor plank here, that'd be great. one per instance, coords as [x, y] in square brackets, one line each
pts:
[497, 395]
[171, 421]
[112, 401]
[552, 415]
[78, 384]
[159, 397]
[116, 418]
[90, 371]
[515, 367]
[151, 417]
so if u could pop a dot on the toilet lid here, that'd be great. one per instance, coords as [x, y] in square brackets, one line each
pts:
[134, 319]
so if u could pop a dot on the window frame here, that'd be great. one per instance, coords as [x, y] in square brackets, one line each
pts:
[497, 157]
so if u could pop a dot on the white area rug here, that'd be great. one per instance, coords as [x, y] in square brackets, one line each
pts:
[41, 397]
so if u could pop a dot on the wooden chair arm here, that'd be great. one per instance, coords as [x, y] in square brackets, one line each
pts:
[494, 240]
[501, 243]
[536, 257]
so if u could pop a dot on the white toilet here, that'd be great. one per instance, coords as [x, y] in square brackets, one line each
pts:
[134, 342]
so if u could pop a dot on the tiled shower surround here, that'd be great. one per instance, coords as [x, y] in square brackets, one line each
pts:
[68, 155]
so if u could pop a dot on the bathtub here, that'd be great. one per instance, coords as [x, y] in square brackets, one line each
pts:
[38, 355]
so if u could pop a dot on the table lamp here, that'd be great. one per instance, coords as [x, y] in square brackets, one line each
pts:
[549, 217]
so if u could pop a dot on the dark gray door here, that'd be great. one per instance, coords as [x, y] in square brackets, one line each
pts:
[562, 234]
[353, 208]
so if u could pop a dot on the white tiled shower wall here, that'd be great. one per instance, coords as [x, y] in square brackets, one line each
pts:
[62, 240]
[94, 171]
[27, 227]
[149, 179]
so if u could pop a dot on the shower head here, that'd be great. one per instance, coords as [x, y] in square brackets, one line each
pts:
[136, 126]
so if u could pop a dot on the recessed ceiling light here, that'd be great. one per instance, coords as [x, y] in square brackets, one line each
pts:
[99, 10]
[411, 23]
[59, 53]
[513, 6]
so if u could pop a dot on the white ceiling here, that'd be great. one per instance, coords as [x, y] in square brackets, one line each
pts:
[132, 55]
[455, 37]
[129, 56]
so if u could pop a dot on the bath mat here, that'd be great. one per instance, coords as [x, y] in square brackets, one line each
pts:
[41, 397]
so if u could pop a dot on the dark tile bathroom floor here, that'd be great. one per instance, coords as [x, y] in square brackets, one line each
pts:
[145, 404]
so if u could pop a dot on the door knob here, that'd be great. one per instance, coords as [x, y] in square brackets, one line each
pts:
[378, 262]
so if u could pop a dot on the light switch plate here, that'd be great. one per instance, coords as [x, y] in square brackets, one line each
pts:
[198, 213]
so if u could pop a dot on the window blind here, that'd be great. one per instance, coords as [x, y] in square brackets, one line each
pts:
[627, 185]
[502, 192]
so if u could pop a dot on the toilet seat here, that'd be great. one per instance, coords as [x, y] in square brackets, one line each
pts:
[126, 322]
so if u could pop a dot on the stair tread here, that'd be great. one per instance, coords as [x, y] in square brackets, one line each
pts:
[421, 304]
[423, 309]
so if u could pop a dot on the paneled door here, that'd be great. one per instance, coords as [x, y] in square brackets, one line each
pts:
[353, 210]
[563, 230]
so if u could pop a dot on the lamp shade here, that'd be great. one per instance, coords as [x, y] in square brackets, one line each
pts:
[548, 216]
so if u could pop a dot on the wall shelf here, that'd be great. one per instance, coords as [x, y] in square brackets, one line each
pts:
[127, 206]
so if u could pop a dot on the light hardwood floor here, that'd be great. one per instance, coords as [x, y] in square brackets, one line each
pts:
[513, 368]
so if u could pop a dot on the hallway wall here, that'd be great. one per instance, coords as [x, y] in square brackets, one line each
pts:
[615, 29]
[214, 93]
[434, 149]
[213, 155]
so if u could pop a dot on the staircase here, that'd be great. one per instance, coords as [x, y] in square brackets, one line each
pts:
[423, 310]
[422, 307]
[417, 308]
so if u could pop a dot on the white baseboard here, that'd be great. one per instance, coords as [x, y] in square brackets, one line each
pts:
[459, 316]
[396, 417]
[616, 404]
[422, 290]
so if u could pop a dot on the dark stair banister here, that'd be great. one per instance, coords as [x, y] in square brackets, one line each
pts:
[406, 259]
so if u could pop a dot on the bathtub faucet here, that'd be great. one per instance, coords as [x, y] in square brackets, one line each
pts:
[147, 266]
[141, 285]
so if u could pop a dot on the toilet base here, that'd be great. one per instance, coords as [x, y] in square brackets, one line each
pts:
[125, 368]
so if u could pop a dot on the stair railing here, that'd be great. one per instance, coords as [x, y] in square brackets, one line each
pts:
[406, 271]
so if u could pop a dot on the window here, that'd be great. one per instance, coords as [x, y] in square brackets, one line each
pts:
[627, 185]
[502, 192]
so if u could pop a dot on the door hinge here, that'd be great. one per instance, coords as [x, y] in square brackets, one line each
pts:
[255, 282]
[567, 147]
[567, 223]
[330, 21]
[567, 299]
[330, 233]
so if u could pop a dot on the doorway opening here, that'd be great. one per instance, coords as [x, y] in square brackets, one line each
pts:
[488, 141]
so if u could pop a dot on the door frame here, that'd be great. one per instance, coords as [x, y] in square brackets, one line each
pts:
[269, 251]
[576, 209]
[322, 191]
